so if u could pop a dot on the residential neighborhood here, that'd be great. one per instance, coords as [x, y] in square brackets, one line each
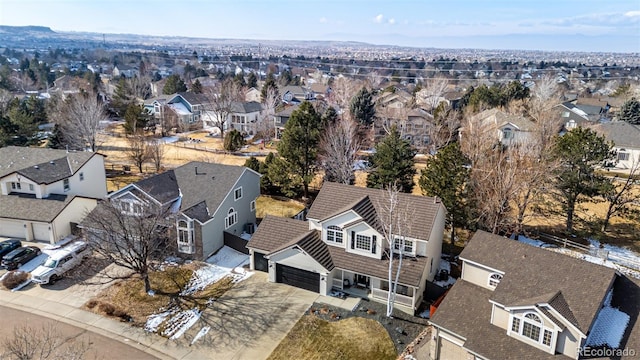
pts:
[195, 198]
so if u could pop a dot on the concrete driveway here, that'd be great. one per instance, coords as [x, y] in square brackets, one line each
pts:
[250, 320]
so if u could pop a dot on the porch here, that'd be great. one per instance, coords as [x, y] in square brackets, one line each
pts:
[369, 287]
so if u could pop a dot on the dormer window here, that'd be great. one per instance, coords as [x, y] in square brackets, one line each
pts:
[403, 244]
[334, 234]
[494, 279]
[530, 326]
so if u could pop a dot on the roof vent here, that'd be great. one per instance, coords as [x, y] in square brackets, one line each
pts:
[36, 167]
[199, 173]
[52, 162]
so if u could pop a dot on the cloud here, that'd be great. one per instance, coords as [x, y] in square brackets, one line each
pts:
[391, 21]
[378, 19]
[632, 13]
[323, 20]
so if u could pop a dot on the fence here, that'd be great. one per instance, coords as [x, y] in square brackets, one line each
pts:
[236, 243]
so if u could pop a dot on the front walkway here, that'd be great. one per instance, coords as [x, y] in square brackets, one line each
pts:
[349, 303]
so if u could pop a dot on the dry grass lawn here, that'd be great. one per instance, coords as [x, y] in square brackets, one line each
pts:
[277, 206]
[351, 339]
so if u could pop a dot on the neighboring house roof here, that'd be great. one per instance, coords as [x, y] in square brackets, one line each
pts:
[41, 165]
[162, 187]
[622, 133]
[29, 208]
[335, 198]
[193, 98]
[246, 107]
[500, 119]
[531, 271]
[162, 99]
[286, 112]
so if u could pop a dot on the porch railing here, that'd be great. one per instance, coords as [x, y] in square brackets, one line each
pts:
[400, 299]
[337, 283]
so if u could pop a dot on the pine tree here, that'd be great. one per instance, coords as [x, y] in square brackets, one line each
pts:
[252, 80]
[196, 87]
[446, 176]
[174, 85]
[299, 144]
[392, 162]
[56, 139]
[233, 141]
[630, 111]
[362, 107]
[269, 83]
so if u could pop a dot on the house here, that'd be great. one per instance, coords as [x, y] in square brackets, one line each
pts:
[517, 301]
[155, 106]
[580, 113]
[252, 94]
[244, 116]
[124, 70]
[45, 191]
[296, 94]
[281, 117]
[341, 246]
[510, 129]
[189, 108]
[626, 142]
[415, 125]
[206, 200]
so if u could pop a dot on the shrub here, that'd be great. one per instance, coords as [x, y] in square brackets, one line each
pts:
[233, 140]
[107, 308]
[14, 278]
[91, 304]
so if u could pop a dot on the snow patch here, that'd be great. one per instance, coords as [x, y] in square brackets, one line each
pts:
[425, 314]
[229, 258]
[180, 323]
[154, 321]
[200, 334]
[532, 242]
[609, 328]
[245, 235]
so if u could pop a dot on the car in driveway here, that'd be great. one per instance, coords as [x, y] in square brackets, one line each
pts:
[20, 256]
[9, 245]
[59, 262]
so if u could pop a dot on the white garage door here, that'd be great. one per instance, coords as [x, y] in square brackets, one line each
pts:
[41, 232]
[11, 228]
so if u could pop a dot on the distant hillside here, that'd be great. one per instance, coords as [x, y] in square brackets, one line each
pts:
[22, 29]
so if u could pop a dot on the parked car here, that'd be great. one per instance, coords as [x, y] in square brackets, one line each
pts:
[8, 245]
[19, 257]
[59, 262]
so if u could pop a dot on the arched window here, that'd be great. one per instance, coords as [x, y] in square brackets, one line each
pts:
[494, 279]
[185, 237]
[531, 326]
[231, 219]
[507, 133]
[334, 234]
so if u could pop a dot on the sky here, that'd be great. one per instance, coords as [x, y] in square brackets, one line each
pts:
[583, 25]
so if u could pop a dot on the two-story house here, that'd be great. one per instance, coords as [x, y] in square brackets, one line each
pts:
[510, 129]
[205, 201]
[626, 142]
[281, 117]
[190, 108]
[45, 191]
[341, 245]
[517, 301]
[244, 116]
[294, 95]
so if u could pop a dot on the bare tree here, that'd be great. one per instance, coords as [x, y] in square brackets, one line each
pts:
[156, 151]
[620, 196]
[129, 234]
[338, 150]
[374, 79]
[443, 129]
[82, 115]
[343, 90]
[265, 120]
[220, 100]
[395, 223]
[432, 92]
[42, 343]
[138, 151]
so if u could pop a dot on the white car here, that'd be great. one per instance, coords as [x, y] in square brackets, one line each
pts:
[59, 262]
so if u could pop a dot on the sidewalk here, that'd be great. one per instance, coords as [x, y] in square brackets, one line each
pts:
[151, 344]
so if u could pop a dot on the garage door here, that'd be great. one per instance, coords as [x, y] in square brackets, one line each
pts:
[10, 228]
[259, 262]
[299, 278]
[41, 232]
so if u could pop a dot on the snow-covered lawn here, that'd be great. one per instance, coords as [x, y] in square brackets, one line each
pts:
[226, 262]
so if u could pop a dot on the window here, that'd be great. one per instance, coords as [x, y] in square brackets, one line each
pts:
[334, 234]
[531, 331]
[363, 242]
[546, 339]
[532, 328]
[185, 237]
[16, 186]
[407, 248]
[81, 176]
[31, 187]
[565, 114]
[515, 325]
[231, 219]
[237, 193]
[253, 205]
[65, 184]
[623, 156]
[494, 279]
[507, 133]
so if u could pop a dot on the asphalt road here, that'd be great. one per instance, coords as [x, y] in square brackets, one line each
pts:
[100, 347]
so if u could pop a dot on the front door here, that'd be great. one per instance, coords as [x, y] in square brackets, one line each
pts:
[362, 280]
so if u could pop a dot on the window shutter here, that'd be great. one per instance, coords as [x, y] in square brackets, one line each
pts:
[375, 243]
[353, 239]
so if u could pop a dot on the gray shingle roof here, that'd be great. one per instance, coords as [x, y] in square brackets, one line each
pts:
[466, 311]
[335, 198]
[32, 209]
[275, 231]
[246, 107]
[531, 271]
[162, 187]
[623, 134]
[41, 165]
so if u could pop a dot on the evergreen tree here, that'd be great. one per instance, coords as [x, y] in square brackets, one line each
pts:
[630, 111]
[392, 163]
[579, 152]
[174, 85]
[446, 176]
[269, 83]
[299, 143]
[233, 141]
[135, 118]
[253, 163]
[56, 140]
[362, 107]
[196, 87]
[252, 80]
[239, 80]
[122, 97]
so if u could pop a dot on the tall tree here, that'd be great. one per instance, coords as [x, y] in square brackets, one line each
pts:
[299, 143]
[339, 150]
[630, 111]
[233, 141]
[269, 83]
[252, 80]
[138, 151]
[362, 107]
[447, 176]
[392, 162]
[83, 115]
[196, 87]
[174, 84]
[579, 152]
[135, 118]
[156, 151]
[220, 100]
[619, 195]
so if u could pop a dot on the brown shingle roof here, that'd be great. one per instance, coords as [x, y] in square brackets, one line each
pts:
[275, 231]
[313, 246]
[531, 271]
[335, 198]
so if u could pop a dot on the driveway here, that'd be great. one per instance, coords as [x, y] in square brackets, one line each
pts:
[250, 320]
